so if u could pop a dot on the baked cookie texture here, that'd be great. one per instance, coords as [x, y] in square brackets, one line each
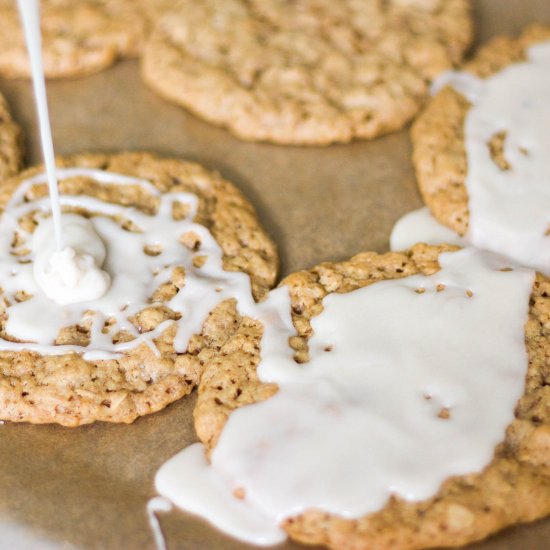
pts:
[309, 73]
[11, 143]
[514, 487]
[439, 154]
[78, 38]
[153, 10]
[72, 391]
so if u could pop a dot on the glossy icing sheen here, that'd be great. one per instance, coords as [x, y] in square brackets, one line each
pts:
[509, 204]
[72, 274]
[420, 382]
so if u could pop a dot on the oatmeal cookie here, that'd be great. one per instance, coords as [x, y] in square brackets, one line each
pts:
[307, 73]
[514, 487]
[78, 38]
[439, 156]
[72, 390]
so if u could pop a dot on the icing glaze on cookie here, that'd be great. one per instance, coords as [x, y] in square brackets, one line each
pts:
[137, 261]
[507, 143]
[419, 226]
[403, 390]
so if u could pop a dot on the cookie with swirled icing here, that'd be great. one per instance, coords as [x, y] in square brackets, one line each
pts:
[59, 382]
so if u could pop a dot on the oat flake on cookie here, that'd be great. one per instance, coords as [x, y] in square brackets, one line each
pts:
[180, 246]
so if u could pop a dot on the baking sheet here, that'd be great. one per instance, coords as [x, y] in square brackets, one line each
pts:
[88, 487]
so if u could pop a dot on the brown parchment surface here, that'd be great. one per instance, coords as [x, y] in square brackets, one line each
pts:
[88, 487]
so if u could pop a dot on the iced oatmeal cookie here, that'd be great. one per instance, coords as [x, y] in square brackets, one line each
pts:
[180, 246]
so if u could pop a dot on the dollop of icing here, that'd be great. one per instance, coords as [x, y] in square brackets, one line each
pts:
[73, 274]
[507, 142]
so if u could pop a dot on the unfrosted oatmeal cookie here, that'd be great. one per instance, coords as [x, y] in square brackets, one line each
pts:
[308, 73]
[78, 38]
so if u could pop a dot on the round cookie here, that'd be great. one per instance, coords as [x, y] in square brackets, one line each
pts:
[11, 146]
[307, 73]
[439, 154]
[70, 390]
[78, 38]
[514, 487]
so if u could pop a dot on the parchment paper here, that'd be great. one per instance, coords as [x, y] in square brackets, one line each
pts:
[88, 487]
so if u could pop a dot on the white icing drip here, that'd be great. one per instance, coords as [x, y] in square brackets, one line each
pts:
[30, 17]
[419, 226]
[509, 207]
[404, 355]
[134, 274]
[466, 83]
[157, 504]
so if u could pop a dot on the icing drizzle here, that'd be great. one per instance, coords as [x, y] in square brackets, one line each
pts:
[402, 387]
[137, 261]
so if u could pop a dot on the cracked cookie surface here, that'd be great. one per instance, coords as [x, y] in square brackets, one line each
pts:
[439, 154]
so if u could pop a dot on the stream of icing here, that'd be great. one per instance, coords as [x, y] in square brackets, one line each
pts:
[30, 17]
[285, 455]
[63, 266]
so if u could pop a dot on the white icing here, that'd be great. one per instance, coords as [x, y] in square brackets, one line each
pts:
[509, 209]
[74, 273]
[189, 482]
[364, 420]
[134, 274]
[67, 264]
[465, 83]
[419, 226]
[29, 11]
